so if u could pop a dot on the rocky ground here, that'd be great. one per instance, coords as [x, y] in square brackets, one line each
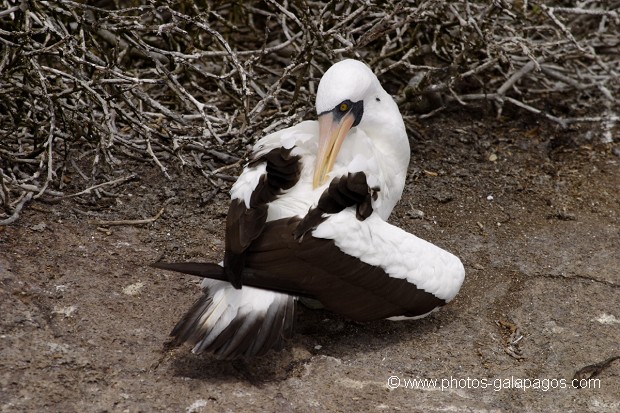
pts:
[532, 210]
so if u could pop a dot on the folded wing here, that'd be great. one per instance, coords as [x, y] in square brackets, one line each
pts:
[365, 270]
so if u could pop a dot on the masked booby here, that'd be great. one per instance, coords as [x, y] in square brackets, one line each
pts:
[307, 218]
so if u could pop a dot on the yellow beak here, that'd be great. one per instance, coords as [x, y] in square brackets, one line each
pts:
[331, 136]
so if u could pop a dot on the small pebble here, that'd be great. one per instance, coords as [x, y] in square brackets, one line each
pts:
[169, 193]
[415, 214]
[39, 227]
[443, 197]
[133, 289]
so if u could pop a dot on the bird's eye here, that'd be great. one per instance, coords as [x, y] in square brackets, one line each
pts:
[343, 107]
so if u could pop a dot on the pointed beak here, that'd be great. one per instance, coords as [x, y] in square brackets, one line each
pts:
[331, 135]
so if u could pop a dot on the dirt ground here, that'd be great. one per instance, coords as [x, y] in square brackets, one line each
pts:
[532, 210]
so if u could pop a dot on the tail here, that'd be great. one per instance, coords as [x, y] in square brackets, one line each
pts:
[233, 323]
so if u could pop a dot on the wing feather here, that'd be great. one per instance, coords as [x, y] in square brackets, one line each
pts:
[342, 281]
[265, 178]
[389, 274]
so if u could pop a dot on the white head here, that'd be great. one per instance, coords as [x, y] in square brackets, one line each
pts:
[350, 95]
[346, 80]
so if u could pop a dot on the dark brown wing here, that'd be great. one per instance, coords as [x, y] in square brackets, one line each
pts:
[342, 283]
[316, 268]
[283, 256]
[243, 224]
[343, 192]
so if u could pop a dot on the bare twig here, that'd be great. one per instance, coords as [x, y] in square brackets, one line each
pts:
[18, 209]
[129, 221]
[94, 187]
[106, 86]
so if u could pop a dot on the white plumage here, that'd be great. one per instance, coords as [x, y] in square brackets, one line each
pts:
[373, 141]
[399, 253]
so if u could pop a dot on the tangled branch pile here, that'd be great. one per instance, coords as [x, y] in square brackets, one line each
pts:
[186, 82]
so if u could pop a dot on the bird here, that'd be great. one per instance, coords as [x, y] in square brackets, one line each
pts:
[308, 220]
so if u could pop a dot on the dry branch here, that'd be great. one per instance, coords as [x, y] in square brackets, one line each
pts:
[87, 85]
[129, 221]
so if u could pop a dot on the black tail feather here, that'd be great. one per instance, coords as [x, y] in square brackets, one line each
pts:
[199, 269]
[251, 278]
